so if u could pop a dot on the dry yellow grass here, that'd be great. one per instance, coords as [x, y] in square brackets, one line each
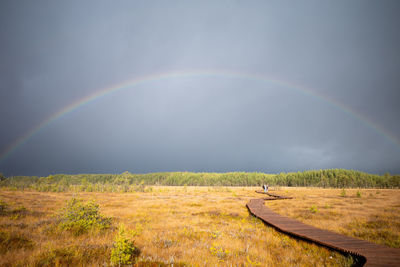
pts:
[369, 214]
[193, 226]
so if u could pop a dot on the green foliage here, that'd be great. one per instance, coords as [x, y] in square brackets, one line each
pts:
[128, 182]
[124, 249]
[343, 193]
[314, 209]
[78, 217]
[358, 194]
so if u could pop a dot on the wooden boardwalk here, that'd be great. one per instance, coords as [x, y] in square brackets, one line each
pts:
[366, 252]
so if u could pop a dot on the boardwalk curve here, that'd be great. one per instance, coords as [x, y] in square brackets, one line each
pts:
[368, 254]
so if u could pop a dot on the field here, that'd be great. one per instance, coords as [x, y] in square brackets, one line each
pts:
[194, 226]
[369, 214]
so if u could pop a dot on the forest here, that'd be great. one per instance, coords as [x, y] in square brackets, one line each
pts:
[128, 182]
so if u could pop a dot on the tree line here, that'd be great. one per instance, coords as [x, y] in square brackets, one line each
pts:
[125, 182]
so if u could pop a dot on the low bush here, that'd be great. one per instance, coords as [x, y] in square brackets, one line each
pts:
[314, 209]
[124, 250]
[79, 217]
[343, 193]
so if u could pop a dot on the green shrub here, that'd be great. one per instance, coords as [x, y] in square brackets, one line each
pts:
[343, 193]
[124, 250]
[313, 209]
[79, 217]
[128, 182]
[358, 194]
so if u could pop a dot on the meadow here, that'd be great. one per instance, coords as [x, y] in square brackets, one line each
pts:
[190, 226]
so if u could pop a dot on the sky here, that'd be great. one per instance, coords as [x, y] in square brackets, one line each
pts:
[204, 86]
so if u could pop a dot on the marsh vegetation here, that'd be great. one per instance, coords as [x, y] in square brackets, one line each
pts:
[129, 182]
[185, 226]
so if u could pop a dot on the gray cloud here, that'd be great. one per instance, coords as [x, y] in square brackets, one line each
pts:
[55, 53]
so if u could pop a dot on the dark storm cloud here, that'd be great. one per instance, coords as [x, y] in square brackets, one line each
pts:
[54, 53]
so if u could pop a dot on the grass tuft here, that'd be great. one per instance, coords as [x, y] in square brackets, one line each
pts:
[56, 257]
[12, 241]
[3, 207]
[314, 209]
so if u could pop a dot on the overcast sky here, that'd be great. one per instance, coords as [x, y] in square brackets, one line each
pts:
[54, 53]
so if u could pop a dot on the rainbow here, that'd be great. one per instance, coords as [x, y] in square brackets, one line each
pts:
[194, 73]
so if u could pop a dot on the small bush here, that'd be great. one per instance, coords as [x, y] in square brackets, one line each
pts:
[313, 209]
[343, 193]
[78, 217]
[358, 194]
[124, 250]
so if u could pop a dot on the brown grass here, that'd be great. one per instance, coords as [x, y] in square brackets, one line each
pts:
[369, 214]
[191, 226]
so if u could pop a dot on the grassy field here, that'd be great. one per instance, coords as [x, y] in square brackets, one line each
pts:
[193, 226]
[369, 214]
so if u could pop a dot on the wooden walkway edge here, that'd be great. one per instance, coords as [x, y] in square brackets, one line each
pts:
[366, 252]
